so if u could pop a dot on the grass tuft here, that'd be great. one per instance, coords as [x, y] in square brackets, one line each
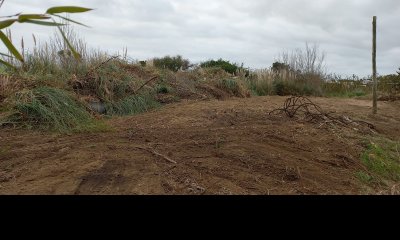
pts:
[132, 105]
[53, 109]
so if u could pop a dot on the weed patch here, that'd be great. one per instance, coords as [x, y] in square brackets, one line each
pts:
[382, 159]
[48, 108]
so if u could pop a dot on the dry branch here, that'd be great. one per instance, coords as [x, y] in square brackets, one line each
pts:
[157, 154]
[101, 64]
[311, 112]
[147, 82]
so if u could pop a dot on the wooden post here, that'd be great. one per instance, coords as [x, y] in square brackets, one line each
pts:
[375, 96]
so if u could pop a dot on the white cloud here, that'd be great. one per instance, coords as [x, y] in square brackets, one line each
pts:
[251, 31]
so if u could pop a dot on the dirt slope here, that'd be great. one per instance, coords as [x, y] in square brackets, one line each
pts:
[220, 147]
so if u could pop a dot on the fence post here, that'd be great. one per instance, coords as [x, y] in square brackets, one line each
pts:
[375, 97]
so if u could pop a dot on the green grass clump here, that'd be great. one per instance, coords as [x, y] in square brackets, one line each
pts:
[234, 87]
[132, 105]
[229, 85]
[261, 88]
[47, 108]
[382, 159]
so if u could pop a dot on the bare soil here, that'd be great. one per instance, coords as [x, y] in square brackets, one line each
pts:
[220, 147]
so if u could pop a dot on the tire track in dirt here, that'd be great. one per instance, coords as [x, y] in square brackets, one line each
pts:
[221, 147]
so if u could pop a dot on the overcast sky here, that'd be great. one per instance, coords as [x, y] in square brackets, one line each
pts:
[250, 31]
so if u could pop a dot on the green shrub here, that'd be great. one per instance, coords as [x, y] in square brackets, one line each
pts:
[161, 88]
[280, 88]
[172, 63]
[225, 65]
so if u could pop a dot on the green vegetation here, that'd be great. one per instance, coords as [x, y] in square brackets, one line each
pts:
[230, 85]
[346, 88]
[228, 67]
[382, 159]
[389, 84]
[172, 63]
[49, 18]
[51, 109]
[132, 105]
[163, 89]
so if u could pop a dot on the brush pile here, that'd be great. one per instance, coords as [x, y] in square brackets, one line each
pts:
[302, 108]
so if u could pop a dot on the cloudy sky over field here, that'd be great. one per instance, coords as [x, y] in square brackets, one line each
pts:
[250, 31]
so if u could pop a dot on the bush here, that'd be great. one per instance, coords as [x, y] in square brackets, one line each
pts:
[225, 65]
[51, 109]
[279, 88]
[172, 63]
[161, 88]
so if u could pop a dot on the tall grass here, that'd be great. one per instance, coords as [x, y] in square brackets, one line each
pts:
[132, 105]
[284, 82]
[345, 88]
[51, 109]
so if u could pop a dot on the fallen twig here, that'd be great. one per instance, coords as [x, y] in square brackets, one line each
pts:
[157, 154]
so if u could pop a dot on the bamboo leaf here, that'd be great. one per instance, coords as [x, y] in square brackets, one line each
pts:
[24, 17]
[69, 20]
[67, 9]
[7, 23]
[7, 64]
[11, 47]
[49, 24]
[77, 56]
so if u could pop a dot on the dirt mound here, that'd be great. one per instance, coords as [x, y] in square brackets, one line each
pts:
[220, 147]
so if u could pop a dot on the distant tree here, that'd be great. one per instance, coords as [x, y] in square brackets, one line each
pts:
[223, 64]
[172, 63]
[278, 66]
[398, 72]
[45, 19]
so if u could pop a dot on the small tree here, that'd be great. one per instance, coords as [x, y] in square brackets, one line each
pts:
[45, 19]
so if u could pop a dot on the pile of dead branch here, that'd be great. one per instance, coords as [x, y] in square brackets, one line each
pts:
[302, 108]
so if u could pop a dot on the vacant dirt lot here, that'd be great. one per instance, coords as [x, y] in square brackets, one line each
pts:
[220, 147]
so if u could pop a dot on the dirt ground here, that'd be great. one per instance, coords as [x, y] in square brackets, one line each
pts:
[198, 147]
